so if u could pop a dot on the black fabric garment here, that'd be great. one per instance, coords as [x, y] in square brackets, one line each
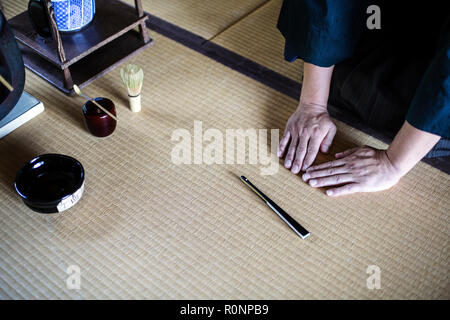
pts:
[380, 80]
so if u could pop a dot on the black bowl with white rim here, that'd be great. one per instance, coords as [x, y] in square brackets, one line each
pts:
[50, 183]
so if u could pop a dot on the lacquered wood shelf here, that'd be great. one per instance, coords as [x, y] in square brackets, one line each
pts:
[83, 56]
[89, 68]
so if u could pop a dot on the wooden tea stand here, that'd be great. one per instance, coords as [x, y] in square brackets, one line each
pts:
[83, 56]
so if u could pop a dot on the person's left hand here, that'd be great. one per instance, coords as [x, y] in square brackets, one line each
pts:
[362, 169]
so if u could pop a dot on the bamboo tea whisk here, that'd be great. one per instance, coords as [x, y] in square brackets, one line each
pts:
[132, 78]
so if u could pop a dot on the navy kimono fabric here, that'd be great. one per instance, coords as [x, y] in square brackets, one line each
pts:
[401, 71]
[321, 32]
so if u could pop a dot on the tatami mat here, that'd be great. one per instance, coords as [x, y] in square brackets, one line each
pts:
[204, 18]
[147, 228]
[13, 7]
[245, 27]
[257, 38]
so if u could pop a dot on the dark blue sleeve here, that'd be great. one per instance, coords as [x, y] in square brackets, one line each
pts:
[430, 108]
[321, 32]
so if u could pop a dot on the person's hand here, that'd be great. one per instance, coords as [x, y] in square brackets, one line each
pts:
[362, 169]
[309, 129]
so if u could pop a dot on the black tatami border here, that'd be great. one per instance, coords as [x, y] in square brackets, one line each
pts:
[267, 77]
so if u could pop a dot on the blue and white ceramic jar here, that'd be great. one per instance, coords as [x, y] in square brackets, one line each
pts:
[73, 15]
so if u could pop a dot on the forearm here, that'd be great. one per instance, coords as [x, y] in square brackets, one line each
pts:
[409, 146]
[316, 85]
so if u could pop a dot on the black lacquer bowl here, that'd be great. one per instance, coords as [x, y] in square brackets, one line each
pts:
[50, 183]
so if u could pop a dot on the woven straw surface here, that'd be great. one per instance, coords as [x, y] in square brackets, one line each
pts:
[147, 228]
[257, 38]
[204, 18]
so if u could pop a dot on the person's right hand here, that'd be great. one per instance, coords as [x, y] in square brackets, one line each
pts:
[309, 129]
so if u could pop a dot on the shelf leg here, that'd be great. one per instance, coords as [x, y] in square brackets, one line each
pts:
[54, 28]
[142, 27]
[68, 82]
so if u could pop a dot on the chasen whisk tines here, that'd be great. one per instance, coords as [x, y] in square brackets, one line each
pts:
[132, 77]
